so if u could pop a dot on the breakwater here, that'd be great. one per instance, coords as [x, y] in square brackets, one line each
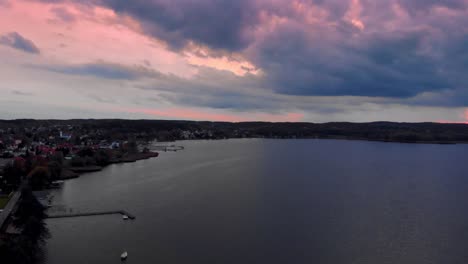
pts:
[167, 148]
[82, 214]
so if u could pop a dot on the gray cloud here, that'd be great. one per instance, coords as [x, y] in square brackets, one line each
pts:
[414, 6]
[337, 60]
[16, 41]
[63, 14]
[101, 99]
[385, 66]
[101, 70]
[22, 93]
[219, 24]
[395, 56]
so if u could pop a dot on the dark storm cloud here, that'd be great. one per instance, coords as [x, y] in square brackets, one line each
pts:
[219, 24]
[417, 54]
[383, 65]
[16, 41]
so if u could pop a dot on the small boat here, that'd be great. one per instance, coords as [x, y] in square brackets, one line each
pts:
[125, 217]
[56, 184]
[124, 256]
[59, 182]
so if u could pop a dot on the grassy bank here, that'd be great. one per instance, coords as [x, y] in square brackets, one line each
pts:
[3, 202]
[70, 172]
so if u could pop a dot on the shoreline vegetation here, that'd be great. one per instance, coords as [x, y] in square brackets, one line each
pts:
[75, 172]
[26, 234]
[39, 170]
[22, 228]
[172, 130]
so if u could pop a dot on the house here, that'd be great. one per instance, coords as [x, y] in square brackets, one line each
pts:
[115, 145]
[65, 136]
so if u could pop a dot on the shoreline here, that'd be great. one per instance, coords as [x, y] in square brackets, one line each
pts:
[75, 172]
[440, 142]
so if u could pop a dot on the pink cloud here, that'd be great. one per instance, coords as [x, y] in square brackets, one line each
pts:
[91, 34]
[68, 32]
[192, 114]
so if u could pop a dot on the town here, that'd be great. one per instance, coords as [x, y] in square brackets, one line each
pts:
[47, 154]
[38, 158]
[44, 151]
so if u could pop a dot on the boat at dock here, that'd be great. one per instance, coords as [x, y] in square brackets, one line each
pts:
[56, 184]
[124, 256]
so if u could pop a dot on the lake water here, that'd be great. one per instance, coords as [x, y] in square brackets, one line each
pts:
[273, 201]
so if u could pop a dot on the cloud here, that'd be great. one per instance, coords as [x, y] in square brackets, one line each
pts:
[101, 99]
[390, 65]
[398, 51]
[208, 88]
[5, 3]
[194, 114]
[63, 14]
[395, 54]
[219, 24]
[314, 48]
[101, 70]
[223, 90]
[21, 93]
[16, 41]
[414, 6]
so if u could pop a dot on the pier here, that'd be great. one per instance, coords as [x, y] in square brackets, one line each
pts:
[167, 148]
[66, 215]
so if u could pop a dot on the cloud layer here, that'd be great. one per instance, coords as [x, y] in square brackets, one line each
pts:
[308, 56]
[16, 41]
[393, 48]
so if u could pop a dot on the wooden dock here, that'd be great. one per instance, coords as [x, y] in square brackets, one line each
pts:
[66, 215]
[167, 148]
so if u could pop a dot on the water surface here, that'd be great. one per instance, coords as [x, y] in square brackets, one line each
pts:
[273, 201]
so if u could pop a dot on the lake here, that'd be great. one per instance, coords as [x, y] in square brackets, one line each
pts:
[272, 201]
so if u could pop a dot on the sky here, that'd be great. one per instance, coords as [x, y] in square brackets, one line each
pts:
[242, 60]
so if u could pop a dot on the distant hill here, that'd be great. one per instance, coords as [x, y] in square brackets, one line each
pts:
[378, 131]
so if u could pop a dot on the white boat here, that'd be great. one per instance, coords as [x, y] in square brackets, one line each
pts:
[124, 256]
[59, 182]
[125, 217]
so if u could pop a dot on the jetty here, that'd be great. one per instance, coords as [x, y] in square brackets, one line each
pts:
[167, 148]
[67, 215]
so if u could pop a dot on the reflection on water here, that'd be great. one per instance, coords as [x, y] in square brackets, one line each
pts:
[273, 201]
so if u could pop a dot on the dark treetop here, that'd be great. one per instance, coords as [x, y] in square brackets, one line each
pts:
[167, 130]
